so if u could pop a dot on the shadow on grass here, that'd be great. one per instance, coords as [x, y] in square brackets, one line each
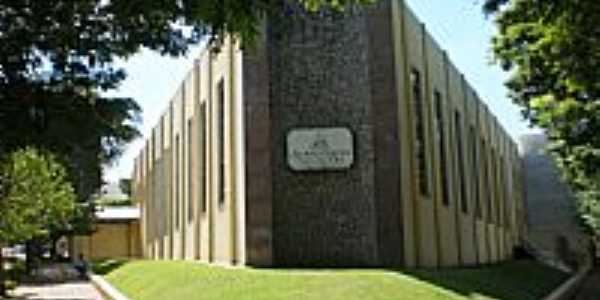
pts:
[106, 266]
[514, 280]
[518, 280]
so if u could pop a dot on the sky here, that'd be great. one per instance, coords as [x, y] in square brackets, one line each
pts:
[458, 26]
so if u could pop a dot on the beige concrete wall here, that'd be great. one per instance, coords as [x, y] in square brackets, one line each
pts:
[150, 203]
[405, 126]
[167, 213]
[475, 178]
[481, 166]
[490, 193]
[424, 227]
[176, 175]
[188, 156]
[466, 216]
[196, 167]
[433, 233]
[135, 249]
[110, 240]
[205, 98]
[221, 209]
[189, 204]
[444, 214]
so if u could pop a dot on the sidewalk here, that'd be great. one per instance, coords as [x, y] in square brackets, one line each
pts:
[590, 289]
[78, 290]
[56, 282]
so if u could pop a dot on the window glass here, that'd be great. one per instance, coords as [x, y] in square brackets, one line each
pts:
[189, 172]
[441, 142]
[475, 164]
[221, 121]
[177, 187]
[420, 143]
[461, 162]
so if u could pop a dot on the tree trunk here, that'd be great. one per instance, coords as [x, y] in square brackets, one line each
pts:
[28, 256]
[2, 275]
[53, 252]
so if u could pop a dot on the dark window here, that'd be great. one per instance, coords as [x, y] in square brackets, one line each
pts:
[441, 131]
[189, 172]
[177, 169]
[221, 158]
[202, 148]
[502, 190]
[420, 143]
[169, 173]
[163, 174]
[486, 179]
[460, 161]
[494, 186]
[475, 164]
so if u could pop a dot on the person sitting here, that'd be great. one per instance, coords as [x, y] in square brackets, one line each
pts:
[81, 266]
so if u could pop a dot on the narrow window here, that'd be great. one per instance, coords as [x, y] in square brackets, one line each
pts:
[220, 118]
[202, 131]
[420, 144]
[486, 179]
[441, 137]
[189, 172]
[493, 187]
[460, 161]
[177, 187]
[502, 190]
[475, 169]
[163, 174]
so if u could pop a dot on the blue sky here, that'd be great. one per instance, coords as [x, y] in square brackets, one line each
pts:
[458, 26]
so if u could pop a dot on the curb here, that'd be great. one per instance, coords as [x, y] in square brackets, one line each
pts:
[105, 288]
[569, 288]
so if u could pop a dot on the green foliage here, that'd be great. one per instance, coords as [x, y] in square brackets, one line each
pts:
[107, 201]
[57, 58]
[35, 196]
[125, 186]
[552, 49]
[17, 271]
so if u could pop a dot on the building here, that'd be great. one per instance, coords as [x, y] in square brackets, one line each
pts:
[551, 207]
[338, 140]
[116, 234]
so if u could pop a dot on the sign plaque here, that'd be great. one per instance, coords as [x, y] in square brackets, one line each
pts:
[314, 149]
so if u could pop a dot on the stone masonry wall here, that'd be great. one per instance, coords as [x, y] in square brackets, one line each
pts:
[319, 77]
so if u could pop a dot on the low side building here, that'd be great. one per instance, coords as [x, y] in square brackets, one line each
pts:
[551, 207]
[339, 139]
[115, 235]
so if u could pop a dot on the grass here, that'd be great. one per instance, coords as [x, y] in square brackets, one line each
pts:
[149, 280]
[106, 266]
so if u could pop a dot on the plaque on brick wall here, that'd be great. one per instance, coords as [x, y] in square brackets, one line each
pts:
[313, 149]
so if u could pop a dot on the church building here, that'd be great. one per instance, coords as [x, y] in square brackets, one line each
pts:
[337, 139]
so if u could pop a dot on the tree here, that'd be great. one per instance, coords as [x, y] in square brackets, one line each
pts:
[552, 49]
[57, 58]
[35, 196]
[125, 186]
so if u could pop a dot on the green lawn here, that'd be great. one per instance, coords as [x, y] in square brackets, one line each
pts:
[148, 280]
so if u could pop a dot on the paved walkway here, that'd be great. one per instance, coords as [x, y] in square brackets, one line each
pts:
[590, 290]
[81, 290]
